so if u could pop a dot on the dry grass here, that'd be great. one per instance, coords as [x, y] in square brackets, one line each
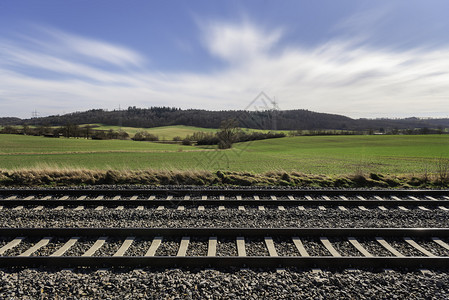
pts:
[46, 175]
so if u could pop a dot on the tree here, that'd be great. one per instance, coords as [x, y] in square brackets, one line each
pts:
[227, 133]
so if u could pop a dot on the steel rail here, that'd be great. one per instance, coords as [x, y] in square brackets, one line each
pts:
[228, 202]
[226, 261]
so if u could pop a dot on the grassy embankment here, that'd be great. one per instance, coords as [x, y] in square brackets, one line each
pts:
[329, 161]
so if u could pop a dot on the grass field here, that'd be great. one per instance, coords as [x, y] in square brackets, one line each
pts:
[169, 132]
[164, 132]
[311, 155]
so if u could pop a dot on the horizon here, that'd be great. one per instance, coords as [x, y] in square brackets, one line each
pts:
[357, 58]
[172, 107]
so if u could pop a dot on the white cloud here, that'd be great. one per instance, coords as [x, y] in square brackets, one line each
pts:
[340, 76]
[238, 42]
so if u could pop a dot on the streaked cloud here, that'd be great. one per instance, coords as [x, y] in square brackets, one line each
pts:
[60, 72]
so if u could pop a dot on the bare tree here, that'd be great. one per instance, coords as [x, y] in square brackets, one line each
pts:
[227, 133]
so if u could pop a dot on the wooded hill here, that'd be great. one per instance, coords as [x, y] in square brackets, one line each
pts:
[271, 120]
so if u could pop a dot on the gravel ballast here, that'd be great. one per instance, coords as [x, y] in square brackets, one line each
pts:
[223, 284]
[212, 217]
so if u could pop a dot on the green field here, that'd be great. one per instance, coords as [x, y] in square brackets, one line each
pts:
[163, 132]
[169, 132]
[316, 154]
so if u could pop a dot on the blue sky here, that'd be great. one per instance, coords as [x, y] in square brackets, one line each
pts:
[352, 57]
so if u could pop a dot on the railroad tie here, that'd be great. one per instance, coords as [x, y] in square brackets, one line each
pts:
[446, 197]
[387, 246]
[321, 207]
[342, 208]
[99, 207]
[182, 251]
[418, 247]
[379, 198]
[120, 207]
[37, 208]
[239, 198]
[359, 247]
[203, 198]
[1, 207]
[431, 198]
[361, 198]
[383, 208]
[59, 207]
[256, 198]
[441, 242]
[60, 252]
[81, 198]
[325, 241]
[344, 198]
[186, 197]
[443, 208]
[99, 198]
[241, 207]
[363, 208]
[160, 207]
[135, 197]
[261, 208]
[181, 207]
[200, 208]
[97, 245]
[36, 247]
[273, 198]
[126, 244]
[140, 207]
[291, 198]
[396, 198]
[11, 198]
[413, 198]
[326, 198]
[423, 208]
[221, 198]
[301, 207]
[270, 246]
[299, 245]
[11, 244]
[116, 198]
[169, 197]
[403, 208]
[212, 247]
[151, 198]
[64, 198]
[79, 207]
[28, 198]
[20, 207]
[221, 207]
[241, 251]
[309, 198]
[281, 208]
[154, 246]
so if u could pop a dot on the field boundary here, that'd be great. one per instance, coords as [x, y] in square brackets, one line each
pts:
[78, 177]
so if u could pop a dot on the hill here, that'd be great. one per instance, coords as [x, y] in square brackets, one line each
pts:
[266, 120]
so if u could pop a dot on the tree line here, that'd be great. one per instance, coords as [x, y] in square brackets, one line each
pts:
[267, 120]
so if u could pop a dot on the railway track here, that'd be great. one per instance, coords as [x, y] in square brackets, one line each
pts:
[216, 197]
[224, 247]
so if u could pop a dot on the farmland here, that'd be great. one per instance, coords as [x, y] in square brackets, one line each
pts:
[163, 132]
[169, 132]
[310, 155]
